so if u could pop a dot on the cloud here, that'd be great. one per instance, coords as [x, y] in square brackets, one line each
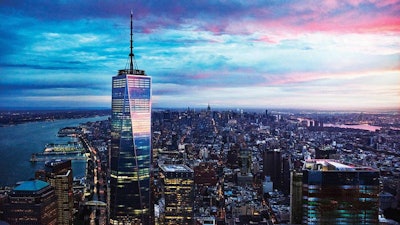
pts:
[223, 52]
[299, 78]
[61, 66]
[75, 101]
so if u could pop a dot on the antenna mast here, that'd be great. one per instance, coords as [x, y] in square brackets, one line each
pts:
[131, 55]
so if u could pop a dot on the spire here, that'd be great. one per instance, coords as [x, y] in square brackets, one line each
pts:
[132, 62]
[131, 55]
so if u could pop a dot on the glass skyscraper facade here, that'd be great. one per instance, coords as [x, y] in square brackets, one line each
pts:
[130, 153]
[336, 193]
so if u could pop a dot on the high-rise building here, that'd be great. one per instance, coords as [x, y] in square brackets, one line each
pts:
[337, 193]
[245, 176]
[59, 176]
[296, 201]
[32, 202]
[131, 152]
[272, 167]
[177, 184]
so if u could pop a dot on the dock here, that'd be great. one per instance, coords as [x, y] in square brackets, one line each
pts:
[70, 155]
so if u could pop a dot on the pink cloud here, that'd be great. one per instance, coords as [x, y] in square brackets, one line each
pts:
[383, 3]
[354, 2]
[292, 26]
[203, 75]
[331, 16]
[296, 78]
[353, 22]
[267, 39]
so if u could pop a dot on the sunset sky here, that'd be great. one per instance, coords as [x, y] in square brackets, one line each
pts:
[329, 55]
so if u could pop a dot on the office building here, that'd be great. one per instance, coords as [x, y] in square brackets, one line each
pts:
[130, 153]
[177, 182]
[245, 176]
[3, 201]
[267, 185]
[205, 174]
[296, 201]
[285, 173]
[32, 202]
[59, 176]
[336, 193]
[272, 167]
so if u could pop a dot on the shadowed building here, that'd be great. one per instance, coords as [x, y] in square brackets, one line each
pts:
[296, 203]
[286, 165]
[336, 193]
[32, 202]
[272, 167]
[205, 174]
[131, 153]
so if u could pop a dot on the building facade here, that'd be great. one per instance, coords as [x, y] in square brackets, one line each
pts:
[130, 148]
[178, 191]
[59, 176]
[32, 202]
[296, 197]
[130, 156]
[272, 167]
[336, 193]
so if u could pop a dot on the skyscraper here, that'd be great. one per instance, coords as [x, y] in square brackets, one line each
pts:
[130, 154]
[272, 167]
[59, 175]
[296, 203]
[32, 202]
[178, 184]
[336, 193]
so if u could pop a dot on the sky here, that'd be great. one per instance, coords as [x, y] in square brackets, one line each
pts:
[304, 54]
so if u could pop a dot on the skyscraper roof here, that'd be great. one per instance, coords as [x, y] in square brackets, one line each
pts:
[175, 168]
[332, 165]
[33, 185]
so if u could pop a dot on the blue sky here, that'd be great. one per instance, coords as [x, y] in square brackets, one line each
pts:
[333, 54]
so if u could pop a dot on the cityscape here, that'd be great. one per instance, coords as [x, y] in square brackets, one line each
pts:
[307, 142]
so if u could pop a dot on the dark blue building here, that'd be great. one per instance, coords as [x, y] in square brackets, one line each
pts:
[336, 193]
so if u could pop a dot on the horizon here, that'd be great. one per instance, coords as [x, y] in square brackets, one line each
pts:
[203, 108]
[326, 56]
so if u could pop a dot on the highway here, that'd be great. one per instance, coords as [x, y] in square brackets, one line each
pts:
[97, 203]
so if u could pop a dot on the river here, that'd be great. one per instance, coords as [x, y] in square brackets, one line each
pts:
[18, 142]
[355, 126]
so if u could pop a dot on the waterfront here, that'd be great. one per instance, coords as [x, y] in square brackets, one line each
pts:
[18, 142]
[355, 126]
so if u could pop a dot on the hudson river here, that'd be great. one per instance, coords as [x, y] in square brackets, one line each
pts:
[358, 126]
[18, 142]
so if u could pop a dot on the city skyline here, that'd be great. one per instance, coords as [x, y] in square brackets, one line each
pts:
[327, 55]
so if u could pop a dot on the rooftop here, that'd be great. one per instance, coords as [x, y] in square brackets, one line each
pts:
[55, 162]
[133, 72]
[332, 165]
[175, 168]
[33, 185]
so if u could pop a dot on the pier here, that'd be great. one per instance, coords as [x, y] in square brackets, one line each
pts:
[45, 156]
